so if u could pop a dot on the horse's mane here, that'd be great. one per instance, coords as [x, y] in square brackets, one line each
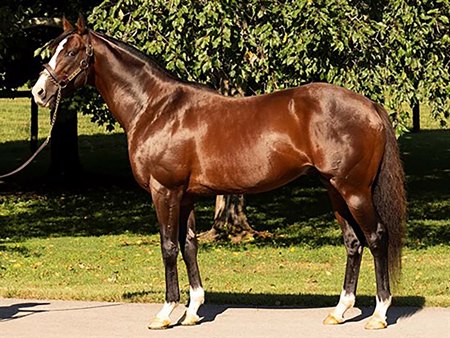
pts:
[150, 61]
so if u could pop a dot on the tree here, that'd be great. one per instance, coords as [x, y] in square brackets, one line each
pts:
[394, 52]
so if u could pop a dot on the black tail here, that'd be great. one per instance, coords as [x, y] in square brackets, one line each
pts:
[389, 197]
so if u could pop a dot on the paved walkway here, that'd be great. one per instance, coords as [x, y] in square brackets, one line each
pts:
[61, 319]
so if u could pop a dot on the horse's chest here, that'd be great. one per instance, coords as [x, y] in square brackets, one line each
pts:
[164, 162]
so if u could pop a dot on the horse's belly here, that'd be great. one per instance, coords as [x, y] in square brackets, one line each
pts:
[247, 176]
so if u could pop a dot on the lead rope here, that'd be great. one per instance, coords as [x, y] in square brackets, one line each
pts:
[47, 140]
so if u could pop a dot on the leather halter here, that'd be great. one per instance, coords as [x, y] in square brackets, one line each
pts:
[63, 81]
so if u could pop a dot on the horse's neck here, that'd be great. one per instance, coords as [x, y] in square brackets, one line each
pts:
[128, 84]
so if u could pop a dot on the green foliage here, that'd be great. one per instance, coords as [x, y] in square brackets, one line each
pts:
[391, 51]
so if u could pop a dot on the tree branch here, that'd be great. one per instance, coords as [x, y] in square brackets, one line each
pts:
[39, 22]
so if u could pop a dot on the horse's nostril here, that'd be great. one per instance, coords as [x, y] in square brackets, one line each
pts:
[41, 92]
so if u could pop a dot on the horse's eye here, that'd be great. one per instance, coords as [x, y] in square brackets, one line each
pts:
[70, 53]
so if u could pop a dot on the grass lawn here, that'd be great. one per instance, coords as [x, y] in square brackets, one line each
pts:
[128, 267]
[97, 239]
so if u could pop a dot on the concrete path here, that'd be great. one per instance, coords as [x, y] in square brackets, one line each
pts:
[61, 319]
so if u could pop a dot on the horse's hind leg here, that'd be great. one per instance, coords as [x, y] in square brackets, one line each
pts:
[360, 203]
[188, 245]
[353, 240]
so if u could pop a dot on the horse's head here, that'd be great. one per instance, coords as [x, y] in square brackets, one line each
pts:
[69, 67]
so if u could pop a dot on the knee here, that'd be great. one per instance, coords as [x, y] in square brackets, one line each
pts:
[354, 249]
[352, 244]
[191, 241]
[190, 250]
[169, 252]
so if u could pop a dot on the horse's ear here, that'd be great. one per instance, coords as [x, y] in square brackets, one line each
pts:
[67, 26]
[81, 24]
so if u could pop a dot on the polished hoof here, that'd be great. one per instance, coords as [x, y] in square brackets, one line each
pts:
[159, 324]
[189, 319]
[375, 323]
[332, 320]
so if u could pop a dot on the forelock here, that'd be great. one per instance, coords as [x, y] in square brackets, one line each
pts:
[60, 38]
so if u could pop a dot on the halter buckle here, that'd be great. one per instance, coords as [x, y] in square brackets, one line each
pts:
[89, 50]
[84, 64]
[63, 83]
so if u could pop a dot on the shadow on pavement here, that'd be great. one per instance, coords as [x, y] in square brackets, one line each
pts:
[404, 306]
[393, 316]
[21, 310]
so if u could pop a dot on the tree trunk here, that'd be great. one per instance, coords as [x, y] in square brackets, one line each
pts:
[230, 221]
[416, 118]
[65, 161]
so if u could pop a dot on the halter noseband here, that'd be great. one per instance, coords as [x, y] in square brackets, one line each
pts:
[62, 82]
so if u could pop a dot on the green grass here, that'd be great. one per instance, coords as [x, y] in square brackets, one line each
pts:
[96, 239]
[426, 122]
[128, 267]
[15, 122]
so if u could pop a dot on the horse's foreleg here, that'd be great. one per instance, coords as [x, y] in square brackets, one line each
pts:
[188, 245]
[167, 204]
[353, 242]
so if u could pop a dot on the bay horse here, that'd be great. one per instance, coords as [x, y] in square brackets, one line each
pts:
[185, 140]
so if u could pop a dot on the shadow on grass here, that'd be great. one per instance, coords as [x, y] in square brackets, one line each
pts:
[16, 249]
[426, 157]
[104, 161]
[302, 300]
[105, 200]
[262, 300]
